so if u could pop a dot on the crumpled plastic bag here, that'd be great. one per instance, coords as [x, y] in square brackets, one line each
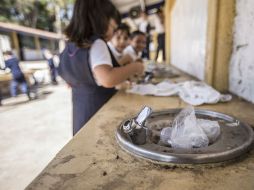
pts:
[188, 132]
[197, 93]
[165, 135]
[210, 128]
[192, 92]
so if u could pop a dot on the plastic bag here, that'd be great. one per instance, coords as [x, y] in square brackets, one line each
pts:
[165, 135]
[188, 132]
[197, 93]
[210, 128]
[184, 133]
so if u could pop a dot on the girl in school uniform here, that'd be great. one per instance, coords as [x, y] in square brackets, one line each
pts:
[18, 77]
[87, 64]
[119, 42]
[137, 45]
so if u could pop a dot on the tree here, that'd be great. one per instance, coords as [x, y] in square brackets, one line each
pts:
[7, 11]
[40, 14]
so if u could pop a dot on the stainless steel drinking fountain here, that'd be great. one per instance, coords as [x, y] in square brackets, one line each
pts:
[140, 136]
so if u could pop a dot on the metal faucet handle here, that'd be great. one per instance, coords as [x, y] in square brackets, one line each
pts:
[143, 115]
[138, 122]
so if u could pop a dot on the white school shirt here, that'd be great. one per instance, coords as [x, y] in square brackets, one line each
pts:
[99, 55]
[159, 27]
[130, 50]
[114, 51]
[143, 26]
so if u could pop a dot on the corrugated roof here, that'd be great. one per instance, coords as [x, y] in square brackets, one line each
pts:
[30, 31]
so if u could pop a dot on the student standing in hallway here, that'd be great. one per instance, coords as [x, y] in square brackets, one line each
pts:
[145, 27]
[160, 30]
[1, 97]
[18, 77]
[53, 73]
[86, 63]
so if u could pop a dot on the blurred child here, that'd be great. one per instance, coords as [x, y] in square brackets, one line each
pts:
[86, 63]
[137, 45]
[119, 42]
[18, 78]
[1, 97]
[49, 57]
[160, 30]
[146, 28]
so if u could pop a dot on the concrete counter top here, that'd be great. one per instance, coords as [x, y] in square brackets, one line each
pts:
[93, 159]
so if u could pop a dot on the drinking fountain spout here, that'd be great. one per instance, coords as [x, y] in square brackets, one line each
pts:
[135, 128]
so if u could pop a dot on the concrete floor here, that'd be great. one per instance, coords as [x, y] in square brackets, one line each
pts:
[31, 133]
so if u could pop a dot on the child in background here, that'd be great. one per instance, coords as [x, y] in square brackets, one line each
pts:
[160, 30]
[119, 42]
[146, 28]
[1, 97]
[137, 45]
[86, 63]
[49, 57]
[18, 78]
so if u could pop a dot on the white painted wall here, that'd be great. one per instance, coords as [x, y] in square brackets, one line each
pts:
[188, 41]
[5, 45]
[32, 54]
[241, 77]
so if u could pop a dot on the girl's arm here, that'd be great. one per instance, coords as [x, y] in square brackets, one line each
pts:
[109, 76]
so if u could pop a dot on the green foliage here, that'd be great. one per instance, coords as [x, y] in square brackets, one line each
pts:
[6, 10]
[39, 14]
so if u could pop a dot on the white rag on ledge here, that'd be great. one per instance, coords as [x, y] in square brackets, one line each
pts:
[192, 92]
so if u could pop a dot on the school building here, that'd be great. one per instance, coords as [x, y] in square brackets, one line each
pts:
[27, 43]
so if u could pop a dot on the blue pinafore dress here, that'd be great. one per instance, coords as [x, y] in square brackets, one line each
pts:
[87, 96]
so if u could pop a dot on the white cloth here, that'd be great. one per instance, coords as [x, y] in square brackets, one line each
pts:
[99, 54]
[159, 28]
[165, 88]
[192, 92]
[114, 51]
[130, 50]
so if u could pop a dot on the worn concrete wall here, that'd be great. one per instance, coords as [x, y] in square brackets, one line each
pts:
[241, 76]
[188, 36]
[221, 16]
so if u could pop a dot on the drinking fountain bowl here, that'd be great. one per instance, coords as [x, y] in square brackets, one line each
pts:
[140, 136]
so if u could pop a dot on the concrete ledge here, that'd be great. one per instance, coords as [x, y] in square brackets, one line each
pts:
[93, 159]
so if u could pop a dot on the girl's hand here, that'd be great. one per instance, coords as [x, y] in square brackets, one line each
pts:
[139, 67]
[125, 59]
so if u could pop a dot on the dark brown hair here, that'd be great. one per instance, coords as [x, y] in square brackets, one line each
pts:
[90, 18]
[7, 52]
[136, 33]
[124, 28]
